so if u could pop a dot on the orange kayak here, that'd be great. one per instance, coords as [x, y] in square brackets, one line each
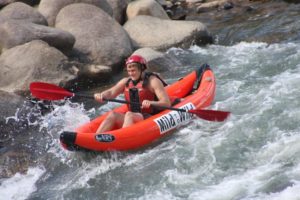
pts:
[196, 90]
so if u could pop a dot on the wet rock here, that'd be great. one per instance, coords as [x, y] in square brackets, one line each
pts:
[145, 7]
[209, 6]
[50, 8]
[9, 103]
[21, 11]
[21, 141]
[177, 13]
[228, 6]
[194, 1]
[249, 8]
[91, 75]
[36, 61]
[12, 162]
[158, 61]
[15, 32]
[99, 38]
[147, 31]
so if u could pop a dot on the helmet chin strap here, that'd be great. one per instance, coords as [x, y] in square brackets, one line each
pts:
[135, 82]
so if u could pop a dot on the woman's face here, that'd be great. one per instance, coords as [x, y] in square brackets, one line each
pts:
[133, 71]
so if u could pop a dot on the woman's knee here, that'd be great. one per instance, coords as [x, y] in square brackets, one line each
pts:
[129, 114]
[133, 116]
[112, 116]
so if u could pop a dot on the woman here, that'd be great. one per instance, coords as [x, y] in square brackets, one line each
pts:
[142, 87]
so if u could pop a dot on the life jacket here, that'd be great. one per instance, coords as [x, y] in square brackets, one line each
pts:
[138, 91]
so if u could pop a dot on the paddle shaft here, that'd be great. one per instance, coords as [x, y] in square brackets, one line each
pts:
[130, 102]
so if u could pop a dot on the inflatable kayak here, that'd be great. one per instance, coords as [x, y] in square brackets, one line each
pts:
[196, 91]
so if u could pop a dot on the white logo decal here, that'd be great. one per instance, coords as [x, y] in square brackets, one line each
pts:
[174, 118]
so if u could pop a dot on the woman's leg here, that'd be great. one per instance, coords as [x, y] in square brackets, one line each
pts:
[131, 118]
[112, 119]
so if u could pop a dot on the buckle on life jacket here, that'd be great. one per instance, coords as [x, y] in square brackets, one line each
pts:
[134, 97]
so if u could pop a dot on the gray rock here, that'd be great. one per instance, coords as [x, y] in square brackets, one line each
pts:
[50, 8]
[29, 2]
[21, 11]
[96, 72]
[33, 61]
[145, 7]
[15, 32]
[99, 38]
[119, 10]
[147, 31]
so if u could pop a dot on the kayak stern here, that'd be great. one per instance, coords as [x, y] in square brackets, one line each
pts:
[67, 140]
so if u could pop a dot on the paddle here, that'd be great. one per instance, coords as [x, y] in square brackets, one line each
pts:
[48, 91]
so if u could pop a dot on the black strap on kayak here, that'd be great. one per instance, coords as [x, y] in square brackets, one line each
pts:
[199, 73]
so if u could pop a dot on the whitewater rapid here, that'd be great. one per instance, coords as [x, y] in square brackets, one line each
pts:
[254, 155]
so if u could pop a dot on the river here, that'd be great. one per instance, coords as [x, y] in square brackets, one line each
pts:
[254, 155]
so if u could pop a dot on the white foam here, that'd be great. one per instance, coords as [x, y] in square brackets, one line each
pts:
[238, 186]
[20, 186]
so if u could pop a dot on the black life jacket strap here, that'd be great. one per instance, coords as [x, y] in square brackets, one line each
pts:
[146, 80]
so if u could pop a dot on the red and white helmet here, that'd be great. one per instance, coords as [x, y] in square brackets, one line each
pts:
[137, 59]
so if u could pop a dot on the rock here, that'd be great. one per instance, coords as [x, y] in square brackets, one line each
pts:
[292, 1]
[13, 162]
[9, 104]
[99, 38]
[158, 61]
[145, 7]
[163, 3]
[92, 75]
[50, 8]
[194, 1]
[147, 31]
[209, 6]
[21, 11]
[96, 71]
[177, 13]
[33, 61]
[15, 32]
[119, 10]
[228, 5]
[29, 2]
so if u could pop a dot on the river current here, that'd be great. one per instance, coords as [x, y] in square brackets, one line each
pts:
[253, 155]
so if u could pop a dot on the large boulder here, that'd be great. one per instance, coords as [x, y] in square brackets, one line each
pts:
[147, 31]
[15, 32]
[145, 7]
[29, 2]
[50, 8]
[119, 10]
[22, 11]
[99, 38]
[33, 61]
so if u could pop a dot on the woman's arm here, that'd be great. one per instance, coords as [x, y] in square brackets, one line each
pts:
[112, 92]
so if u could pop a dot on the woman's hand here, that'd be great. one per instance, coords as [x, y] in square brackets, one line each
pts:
[146, 104]
[99, 97]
